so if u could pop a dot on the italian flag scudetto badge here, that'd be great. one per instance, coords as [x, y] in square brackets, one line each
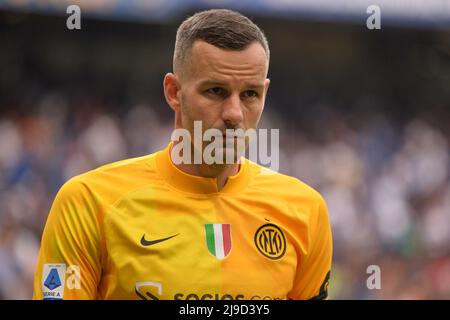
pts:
[218, 239]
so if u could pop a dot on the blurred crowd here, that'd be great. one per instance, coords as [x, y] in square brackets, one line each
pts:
[388, 192]
[386, 185]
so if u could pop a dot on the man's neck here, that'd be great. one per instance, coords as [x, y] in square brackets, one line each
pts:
[219, 171]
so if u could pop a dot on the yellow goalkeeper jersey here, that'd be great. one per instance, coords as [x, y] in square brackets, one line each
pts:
[143, 229]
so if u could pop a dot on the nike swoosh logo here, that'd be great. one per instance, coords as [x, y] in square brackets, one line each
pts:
[149, 243]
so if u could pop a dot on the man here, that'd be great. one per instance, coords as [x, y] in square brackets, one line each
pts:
[157, 228]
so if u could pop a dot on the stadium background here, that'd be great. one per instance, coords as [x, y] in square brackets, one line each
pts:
[363, 117]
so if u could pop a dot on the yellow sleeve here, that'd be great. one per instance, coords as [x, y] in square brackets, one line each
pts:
[313, 271]
[69, 264]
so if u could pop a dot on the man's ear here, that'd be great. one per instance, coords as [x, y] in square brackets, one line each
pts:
[266, 85]
[172, 91]
[266, 88]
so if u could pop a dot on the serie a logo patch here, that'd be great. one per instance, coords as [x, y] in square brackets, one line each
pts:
[53, 280]
[56, 277]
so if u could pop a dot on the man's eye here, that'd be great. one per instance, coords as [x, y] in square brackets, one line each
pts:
[250, 94]
[216, 91]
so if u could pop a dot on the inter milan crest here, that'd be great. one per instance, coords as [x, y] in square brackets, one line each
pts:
[218, 239]
[270, 241]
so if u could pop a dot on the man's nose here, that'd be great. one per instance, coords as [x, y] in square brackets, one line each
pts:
[232, 111]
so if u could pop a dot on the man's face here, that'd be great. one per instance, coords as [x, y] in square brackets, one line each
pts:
[225, 89]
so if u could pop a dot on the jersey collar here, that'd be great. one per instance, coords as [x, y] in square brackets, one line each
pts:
[196, 184]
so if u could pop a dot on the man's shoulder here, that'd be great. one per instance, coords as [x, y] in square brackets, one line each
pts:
[130, 168]
[112, 180]
[130, 165]
[282, 185]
